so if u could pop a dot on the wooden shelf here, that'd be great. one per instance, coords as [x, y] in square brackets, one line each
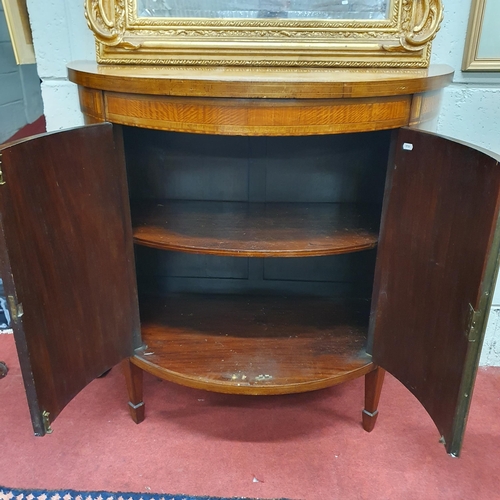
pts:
[256, 229]
[254, 344]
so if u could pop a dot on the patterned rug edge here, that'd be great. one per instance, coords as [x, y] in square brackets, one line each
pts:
[34, 494]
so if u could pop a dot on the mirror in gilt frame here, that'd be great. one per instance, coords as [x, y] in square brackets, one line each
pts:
[308, 33]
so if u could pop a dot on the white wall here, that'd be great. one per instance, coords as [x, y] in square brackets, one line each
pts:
[470, 110]
[60, 35]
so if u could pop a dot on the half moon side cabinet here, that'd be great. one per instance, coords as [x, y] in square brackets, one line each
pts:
[251, 232]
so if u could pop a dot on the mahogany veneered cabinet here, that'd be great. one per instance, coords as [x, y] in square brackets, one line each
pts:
[251, 232]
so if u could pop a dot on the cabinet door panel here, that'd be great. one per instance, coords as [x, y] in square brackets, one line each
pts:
[435, 272]
[66, 255]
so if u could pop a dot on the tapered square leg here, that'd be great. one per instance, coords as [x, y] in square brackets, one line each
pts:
[373, 387]
[133, 379]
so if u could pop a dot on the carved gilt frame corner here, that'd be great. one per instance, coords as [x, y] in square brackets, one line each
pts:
[403, 40]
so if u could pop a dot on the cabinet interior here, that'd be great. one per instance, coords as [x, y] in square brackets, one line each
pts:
[255, 255]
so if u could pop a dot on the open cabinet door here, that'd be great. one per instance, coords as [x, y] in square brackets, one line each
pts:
[435, 273]
[66, 258]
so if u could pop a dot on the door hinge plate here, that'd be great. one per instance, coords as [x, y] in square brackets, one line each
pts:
[2, 180]
[472, 332]
[46, 422]
[16, 310]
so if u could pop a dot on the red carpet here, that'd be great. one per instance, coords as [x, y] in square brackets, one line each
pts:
[308, 446]
[37, 127]
[9, 494]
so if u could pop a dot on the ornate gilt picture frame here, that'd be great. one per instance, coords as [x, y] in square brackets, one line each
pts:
[16, 14]
[482, 46]
[401, 39]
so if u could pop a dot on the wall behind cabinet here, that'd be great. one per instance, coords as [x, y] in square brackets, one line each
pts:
[470, 108]
[20, 99]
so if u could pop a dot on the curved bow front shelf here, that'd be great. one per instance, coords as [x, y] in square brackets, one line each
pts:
[242, 229]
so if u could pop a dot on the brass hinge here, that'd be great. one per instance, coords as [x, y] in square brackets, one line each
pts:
[16, 310]
[46, 422]
[2, 180]
[472, 332]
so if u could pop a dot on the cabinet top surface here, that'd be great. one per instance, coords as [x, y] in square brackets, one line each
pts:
[259, 82]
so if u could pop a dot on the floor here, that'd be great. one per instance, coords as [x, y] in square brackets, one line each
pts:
[308, 446]
[37, 127]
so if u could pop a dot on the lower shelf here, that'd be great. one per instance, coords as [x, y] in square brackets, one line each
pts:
[254, 344]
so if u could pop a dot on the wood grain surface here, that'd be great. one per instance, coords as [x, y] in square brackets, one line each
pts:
[254, 344]
[66, 224]
[269, 83]
[255, 229]
[436, 243]
[256, 101]
[258, 117]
